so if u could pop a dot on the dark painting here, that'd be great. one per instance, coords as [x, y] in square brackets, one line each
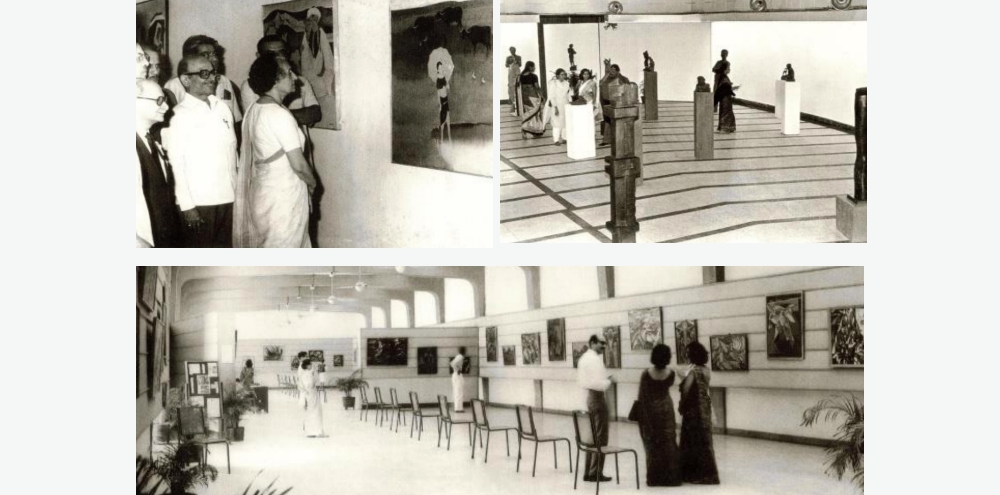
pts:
[785, 326]
[442, 87]
[491, 344]
[847, 337]
[645, 328]
[509, 355]
[557, 339]
[151, 25]
[685, 332]
[579, 349]
[338, 360]
[467, 366]
[613, 351]
[274, 353]
[387, 352]
[318, 362]
[730, 353]
[531, 348]
[311, 44]
[427, 360]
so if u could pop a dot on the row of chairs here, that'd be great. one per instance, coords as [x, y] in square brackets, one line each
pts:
[289, 385]
[479, 425]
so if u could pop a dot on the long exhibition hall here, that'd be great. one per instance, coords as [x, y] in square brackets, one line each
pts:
[499, 380]
[769, 146]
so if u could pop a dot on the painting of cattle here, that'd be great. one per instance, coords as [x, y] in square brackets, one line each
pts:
[442, 87]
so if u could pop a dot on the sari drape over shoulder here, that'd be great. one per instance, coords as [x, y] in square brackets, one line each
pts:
[658, 430]
[533, 118]
[697, 452]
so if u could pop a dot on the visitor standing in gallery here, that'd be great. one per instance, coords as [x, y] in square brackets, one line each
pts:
[657, 425]
[457, 381]
[313, 423]
[532, 118]
[513, 72]
[588, 91]
[559, 91]
[156, 179]
[724, 95]
[721, 69]
[593, 377]
[697, 453]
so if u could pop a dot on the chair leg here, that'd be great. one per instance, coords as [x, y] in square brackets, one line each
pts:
[474, 433]
[518, 470]
[420, 429]
[618, 479]
[439, 436]
[577, 473]
[569, 455]
[412, 424]
[636, 455]
[506, 436]
[228, 468]
[450, 426]
[534, 465]
[555, 453]
[486, 455]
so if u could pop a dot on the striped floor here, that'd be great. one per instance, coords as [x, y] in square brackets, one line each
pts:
[762, 186]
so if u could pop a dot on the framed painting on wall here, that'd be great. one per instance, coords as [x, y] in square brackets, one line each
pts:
[427, 360]
[442, 87]
[309, 29]
[531, 344]
[147, 286]
[847, 337]
[509, 355]
[685, 332]
[579, 349]
[387, 351]
[730, 353]
[556, 332]
[785, 326]
[338, 360]
[151, 27]
[467, 366]
[613, 351]
[491, 344]
[318, 360]
[645, 328]
[274, 353]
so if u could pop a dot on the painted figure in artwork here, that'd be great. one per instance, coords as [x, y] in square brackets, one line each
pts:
[316, 56]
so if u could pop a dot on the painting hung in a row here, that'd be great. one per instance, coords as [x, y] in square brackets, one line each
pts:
[685, 332]
[509, 355]
[467, 365]
[847, 337]
[318, 361]
[645, 328]
[338, 360]
[442, 87]
[579, 348]
[613, 351]
[785, 326]
[274, 353]
[491, 344]
[309, 30]
[556, 333]
[387, 351]
[730, 352]
[427, 360]
[151, 26]
[531, 344]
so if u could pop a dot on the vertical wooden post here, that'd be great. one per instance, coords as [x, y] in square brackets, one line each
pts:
[623, 164]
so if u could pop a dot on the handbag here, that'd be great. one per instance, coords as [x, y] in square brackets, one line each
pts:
[633, 414]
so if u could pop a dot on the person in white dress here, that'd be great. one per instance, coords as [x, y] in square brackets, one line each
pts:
[457, 381]
[308, 381]
[559, 91]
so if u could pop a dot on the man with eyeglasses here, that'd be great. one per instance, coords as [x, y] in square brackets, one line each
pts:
[201, 141]
[593, 377]
[208, 48]
[157, 184]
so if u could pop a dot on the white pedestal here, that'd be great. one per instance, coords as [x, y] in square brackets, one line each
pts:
[788, 106]
[580, 143]
[852, 219]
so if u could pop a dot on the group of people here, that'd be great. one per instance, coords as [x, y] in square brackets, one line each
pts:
[217, 168]
[667, 463]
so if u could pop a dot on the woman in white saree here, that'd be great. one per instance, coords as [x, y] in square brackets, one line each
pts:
[313, 423]
[457, 381]
[275, 180]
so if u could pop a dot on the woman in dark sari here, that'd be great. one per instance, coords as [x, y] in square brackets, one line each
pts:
[697, 453]
[533, 118]
[724, 95]
[657, 426]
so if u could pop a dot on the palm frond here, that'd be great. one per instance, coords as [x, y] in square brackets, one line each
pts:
[848, 449]
[268, 490]
[147, 481]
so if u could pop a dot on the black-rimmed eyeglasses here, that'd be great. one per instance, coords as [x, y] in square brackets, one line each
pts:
[159, 101]
[204, 74]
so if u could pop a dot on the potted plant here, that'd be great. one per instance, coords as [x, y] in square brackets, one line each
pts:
[349, 385]
[164, 430]
[147, 481]
[236, 402]
[181, 469]
[848, 449]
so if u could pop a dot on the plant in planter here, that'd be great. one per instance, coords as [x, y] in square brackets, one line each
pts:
[181, 469]
[349, 385]
[236, 402]
[147, 481]
[848, 450]
[268, 490]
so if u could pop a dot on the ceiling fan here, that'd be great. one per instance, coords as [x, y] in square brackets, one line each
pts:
[359, 286]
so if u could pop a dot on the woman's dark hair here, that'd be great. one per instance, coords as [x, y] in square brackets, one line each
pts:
[249, 363]
[264, 73]
[697, 353]
[589, 73]
[559, 71]
[305, 363]
[528, 67]
[660, 356]
[461, 350]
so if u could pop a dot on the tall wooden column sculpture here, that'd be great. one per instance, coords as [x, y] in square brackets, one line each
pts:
[852, 212]
[623, 164]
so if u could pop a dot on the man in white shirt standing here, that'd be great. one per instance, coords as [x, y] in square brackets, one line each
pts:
[593, 377]
[208, 48]
[201, 141]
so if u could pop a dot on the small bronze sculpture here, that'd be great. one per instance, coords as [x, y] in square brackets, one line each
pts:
[702, 86]
[572, 55]
[789, 74]
[650, 65]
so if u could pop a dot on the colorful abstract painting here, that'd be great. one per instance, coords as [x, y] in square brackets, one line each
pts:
[509, 355]
[531, 348]
[579, 348]
[730, 353]
[685, 332]
[427, 360]
[557, 339]
[387, 351]
[785, 326]
[847, 337]
[491, 344]
[645, 328]
[613, 351]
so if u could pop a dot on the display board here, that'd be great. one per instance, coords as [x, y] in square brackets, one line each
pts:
[205, 389]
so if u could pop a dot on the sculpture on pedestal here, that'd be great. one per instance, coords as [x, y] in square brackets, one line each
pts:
[612, 74]
[649, 64]
[789, 74]
[572, 56]
[702, 86]
[861, 135]
[623, 164]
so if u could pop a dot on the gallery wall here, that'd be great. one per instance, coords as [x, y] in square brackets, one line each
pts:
[679, 49]
[148, 401]
[520, 35]
[406, 379]
[369, 202]
[655, 6]
[768, 399]
[830, 61]
[586, 41]
[506, 291]
[266, 372]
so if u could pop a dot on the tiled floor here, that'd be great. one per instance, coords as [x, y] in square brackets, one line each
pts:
[360, 458]
[761, 187]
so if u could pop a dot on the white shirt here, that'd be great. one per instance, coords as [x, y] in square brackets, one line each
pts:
[223, 91]
[591, 373]
[201, 145]
[456, 364]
